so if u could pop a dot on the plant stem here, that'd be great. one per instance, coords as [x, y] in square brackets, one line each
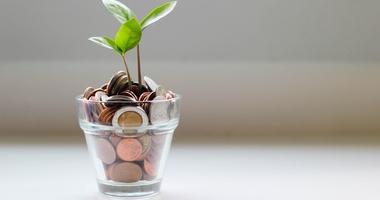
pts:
[139, 65]
[126, 67]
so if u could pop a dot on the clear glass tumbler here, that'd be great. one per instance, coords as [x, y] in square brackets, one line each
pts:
[129, 142]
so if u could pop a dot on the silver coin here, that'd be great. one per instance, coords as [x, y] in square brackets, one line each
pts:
[150, 83]
[158, 112]
[104, 98]
[99, 95]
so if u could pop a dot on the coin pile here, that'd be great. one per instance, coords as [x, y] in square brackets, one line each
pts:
[129, 105]
[130, 159]
[124, 105]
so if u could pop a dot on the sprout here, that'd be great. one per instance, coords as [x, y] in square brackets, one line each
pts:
[130, 32]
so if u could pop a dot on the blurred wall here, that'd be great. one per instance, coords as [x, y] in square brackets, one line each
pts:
[219, 98]
[263, 30]
[244, 67]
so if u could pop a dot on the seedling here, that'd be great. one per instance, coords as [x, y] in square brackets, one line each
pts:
[130, 32]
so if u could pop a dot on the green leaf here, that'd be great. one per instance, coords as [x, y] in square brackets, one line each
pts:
[101, 41]
[119, 10]
[105, 42]
[128, 35]
[157, 13]
[113, 44]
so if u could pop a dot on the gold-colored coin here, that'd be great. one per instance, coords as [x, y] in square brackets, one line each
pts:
[130, 117]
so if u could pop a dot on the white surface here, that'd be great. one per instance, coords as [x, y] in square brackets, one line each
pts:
[203, 172]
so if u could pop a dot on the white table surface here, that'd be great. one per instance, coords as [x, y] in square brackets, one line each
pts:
[225, 172]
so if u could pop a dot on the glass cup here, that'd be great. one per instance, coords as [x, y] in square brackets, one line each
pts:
[129, 142]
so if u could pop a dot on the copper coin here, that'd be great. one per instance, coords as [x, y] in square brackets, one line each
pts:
[95, 91]
[126, 172]
[151, 96]
[98, 96]
[129, 93]
[148, 97]
[138, 89]
[171, 94]
[104, 150]
[150, 168]
[145, 98]
[129, 149]
[87, 92]
[143, 95]
[88, 110]
[93, 109]
[106, 115]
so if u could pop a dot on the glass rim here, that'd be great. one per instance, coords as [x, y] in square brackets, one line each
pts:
[81, 99]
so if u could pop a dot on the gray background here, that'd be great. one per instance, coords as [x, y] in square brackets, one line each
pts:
[260, 67]
[265, 30]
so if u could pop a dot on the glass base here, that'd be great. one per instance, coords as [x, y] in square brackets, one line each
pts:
[129, 190]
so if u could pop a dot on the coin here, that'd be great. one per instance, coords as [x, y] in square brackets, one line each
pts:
[145, 104]
[152, 85]
[95, 91]
[171, 94]
[129, 149]
[130, 117]
[120, 100]
[87, 92]
[168, 96]
[142, 98]
[129, 94]
[93, 109]
[158, 111]
[88, 110]
[150, 168]
[113, 81]
[120, 85]
[104, 150]
[100, 95]
[126, 172]
[107, 114]
[146, 145]
[143, 95]
[135, 89]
